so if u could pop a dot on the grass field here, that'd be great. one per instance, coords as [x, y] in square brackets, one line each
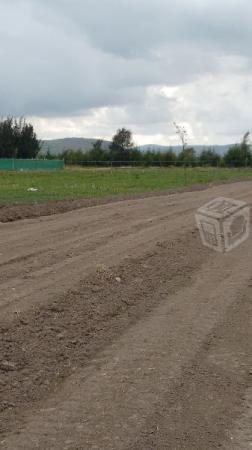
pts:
[74, 183]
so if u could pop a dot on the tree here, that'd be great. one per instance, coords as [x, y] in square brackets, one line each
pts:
[28, 145]
[17, 139]
[188, 157]
[246, 148]
[235, 157]
[72, 156]
[49, 155]
[182, 134]
[169, 157]
[239, 155]
[97, 153]
[121, 145]
[8, 138]
[210, 157]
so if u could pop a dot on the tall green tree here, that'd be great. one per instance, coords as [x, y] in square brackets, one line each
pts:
[121, 145]
[246, 148]
[28, 145]
[8, 138]
[18, 139]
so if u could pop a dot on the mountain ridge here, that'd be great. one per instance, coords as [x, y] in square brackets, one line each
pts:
[56, 146]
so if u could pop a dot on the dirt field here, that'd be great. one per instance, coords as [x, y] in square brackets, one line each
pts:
[119, 330]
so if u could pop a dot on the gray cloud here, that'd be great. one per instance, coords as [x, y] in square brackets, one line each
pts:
[65, 58]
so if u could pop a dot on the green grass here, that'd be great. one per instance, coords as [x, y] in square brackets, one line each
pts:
[74, 183]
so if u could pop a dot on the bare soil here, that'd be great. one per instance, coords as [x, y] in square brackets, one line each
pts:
[119, 330]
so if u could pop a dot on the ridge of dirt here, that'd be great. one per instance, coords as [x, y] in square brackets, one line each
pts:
[44, 345]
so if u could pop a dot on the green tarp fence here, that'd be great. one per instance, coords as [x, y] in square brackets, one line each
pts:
[31, 164]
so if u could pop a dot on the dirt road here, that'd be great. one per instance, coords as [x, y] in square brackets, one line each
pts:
[119, 330]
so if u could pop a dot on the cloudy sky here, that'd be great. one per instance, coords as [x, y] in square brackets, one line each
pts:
[88, 67]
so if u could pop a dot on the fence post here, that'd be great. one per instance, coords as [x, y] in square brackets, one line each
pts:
[185, 173]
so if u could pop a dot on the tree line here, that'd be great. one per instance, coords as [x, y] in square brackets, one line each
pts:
[122, 151]
[19, 140]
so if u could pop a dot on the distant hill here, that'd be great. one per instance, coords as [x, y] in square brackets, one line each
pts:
[56, 146]
[220, 149]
